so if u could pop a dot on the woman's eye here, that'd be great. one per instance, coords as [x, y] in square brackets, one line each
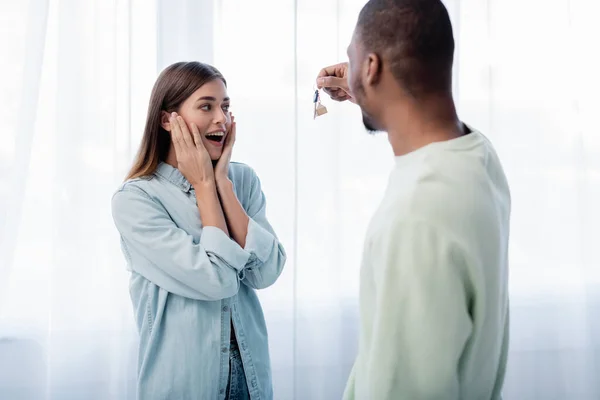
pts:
[205, 107]
[226, 107]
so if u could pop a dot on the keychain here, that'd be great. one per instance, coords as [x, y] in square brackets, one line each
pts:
[320, 109]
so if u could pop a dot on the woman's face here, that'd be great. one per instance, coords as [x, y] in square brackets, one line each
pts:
[208, 108]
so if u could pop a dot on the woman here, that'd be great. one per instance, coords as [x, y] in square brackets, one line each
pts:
[197, 241]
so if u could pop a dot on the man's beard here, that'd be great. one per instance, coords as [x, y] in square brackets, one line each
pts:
[368, 122]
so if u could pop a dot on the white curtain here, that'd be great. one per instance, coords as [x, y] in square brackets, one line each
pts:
[75, 79]
[73, 83]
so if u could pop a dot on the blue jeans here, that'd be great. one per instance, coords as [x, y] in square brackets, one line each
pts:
[237, 388]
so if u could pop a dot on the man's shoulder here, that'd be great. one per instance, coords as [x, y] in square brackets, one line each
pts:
[446, 199]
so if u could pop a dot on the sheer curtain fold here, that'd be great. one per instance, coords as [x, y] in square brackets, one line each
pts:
[74, 93]
[19, 109]
[18, 97]
[66, 328]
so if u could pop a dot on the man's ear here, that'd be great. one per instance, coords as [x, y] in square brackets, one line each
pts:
[373, 69]
[164, 121]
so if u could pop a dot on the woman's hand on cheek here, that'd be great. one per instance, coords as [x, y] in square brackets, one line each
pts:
[193, 160]
[222, 167]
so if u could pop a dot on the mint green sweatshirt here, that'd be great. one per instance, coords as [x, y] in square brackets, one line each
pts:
[434, 279]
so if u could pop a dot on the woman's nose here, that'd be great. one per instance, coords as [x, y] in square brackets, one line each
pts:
[220, 117]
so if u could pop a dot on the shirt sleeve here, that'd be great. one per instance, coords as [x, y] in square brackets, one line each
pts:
[267, 255]
[168, 256]
[422, 320]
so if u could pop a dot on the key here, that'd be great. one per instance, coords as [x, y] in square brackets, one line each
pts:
[319, 109]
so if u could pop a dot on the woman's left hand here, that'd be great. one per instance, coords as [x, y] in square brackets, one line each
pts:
[222, 167]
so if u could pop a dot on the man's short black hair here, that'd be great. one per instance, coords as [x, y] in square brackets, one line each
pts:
[415, 38]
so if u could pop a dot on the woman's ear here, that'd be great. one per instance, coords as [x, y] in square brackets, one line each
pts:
[164, 121]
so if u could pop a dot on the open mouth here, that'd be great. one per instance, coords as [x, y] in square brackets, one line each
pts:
[216, 137]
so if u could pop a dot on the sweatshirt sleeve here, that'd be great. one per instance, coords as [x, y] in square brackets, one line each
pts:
[422, 320]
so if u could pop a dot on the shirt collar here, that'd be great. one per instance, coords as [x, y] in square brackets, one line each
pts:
[172, 175]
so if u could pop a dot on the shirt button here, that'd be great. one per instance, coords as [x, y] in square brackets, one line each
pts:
[224, 349]
[222, 391]
[225, 309]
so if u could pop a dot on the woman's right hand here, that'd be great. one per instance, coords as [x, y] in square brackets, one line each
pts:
[193, 160]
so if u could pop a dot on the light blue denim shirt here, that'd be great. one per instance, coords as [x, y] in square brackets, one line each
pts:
[188, 282]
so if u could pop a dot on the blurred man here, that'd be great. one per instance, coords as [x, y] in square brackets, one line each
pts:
[434, 276]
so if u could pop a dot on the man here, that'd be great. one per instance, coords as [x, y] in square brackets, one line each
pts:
[434, 275]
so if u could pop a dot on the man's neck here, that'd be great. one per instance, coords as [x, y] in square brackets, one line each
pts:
[417, 125]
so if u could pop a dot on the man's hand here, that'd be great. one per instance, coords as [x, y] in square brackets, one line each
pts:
[334, 81]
